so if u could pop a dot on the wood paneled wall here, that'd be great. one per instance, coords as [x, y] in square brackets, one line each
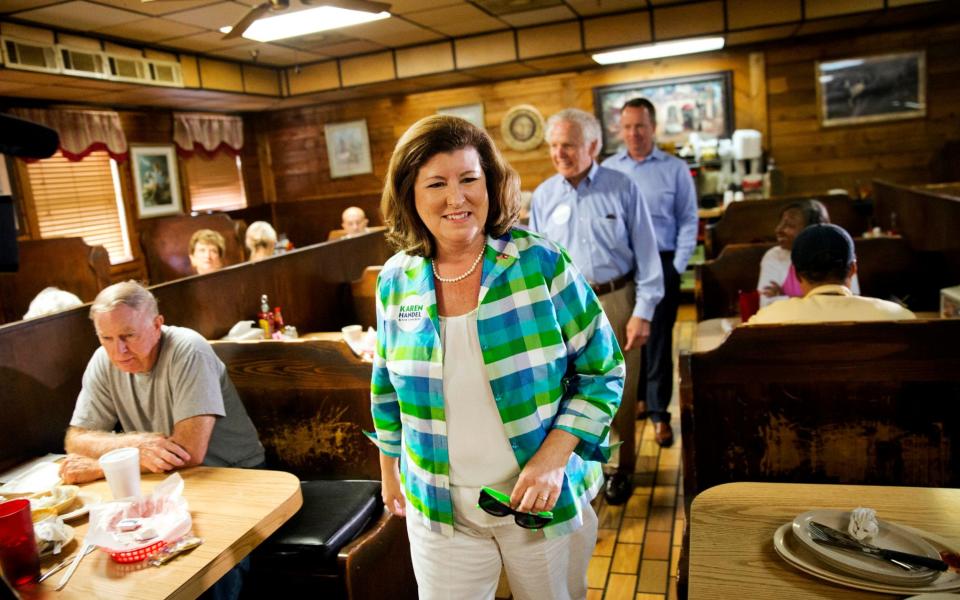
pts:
[297, 144]
[774, 92]
[818, 158]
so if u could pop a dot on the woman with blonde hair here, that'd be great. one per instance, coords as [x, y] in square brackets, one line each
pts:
[207, 248]
[261, 239]
[495, 378]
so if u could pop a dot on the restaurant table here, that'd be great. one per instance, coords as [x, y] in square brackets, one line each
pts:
[732, 527]
[233, 510]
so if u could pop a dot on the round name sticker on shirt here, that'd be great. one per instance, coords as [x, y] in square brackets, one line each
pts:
[412, 312]
[561, 214]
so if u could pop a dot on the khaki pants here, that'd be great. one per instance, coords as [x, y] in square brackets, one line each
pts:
[618, 306]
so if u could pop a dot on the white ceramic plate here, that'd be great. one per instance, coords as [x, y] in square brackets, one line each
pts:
[862, 565]
[86, 500]
[800, 556]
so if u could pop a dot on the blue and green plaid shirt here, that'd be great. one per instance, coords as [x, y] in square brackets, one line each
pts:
[551, 358]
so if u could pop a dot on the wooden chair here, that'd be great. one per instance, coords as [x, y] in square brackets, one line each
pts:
[364, 291]
[165, 243]
[67, 263]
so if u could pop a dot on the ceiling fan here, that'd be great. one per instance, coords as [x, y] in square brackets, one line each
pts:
[260, 10]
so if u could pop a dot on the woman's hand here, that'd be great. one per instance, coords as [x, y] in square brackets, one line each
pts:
[772, 290]
[538, 487]
[391, 491]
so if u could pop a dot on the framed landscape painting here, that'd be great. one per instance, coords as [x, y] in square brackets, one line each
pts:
[873, 88]
[348, 148]
[697, 103]
[155, 180]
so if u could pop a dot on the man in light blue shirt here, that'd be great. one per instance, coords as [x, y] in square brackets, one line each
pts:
[600, 217]
[669, 193]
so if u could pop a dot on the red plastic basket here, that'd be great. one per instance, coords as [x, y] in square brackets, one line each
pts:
[138, 554]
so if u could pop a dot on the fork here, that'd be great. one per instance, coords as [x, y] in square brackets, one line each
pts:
[832, 537]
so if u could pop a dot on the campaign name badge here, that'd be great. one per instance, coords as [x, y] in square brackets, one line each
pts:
[412, 312]
[561, 214]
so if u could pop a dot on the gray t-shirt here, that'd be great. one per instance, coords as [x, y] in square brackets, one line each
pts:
[187, 380]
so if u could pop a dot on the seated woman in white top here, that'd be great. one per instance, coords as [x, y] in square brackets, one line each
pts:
[775, 265]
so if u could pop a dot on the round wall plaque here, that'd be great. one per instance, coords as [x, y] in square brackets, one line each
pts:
[522, 128]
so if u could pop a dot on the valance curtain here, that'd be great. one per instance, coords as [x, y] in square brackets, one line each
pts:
[207, 133]
[82, 131]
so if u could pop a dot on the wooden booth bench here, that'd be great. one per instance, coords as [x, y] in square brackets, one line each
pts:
[887, 267]
[310, 401]
[753, 221]
[845, 403]
[67, 263]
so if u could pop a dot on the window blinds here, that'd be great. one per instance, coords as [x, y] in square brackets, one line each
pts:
[81, 199]
[215, 182]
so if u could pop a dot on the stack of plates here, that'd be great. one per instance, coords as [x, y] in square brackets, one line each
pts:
[794, 543]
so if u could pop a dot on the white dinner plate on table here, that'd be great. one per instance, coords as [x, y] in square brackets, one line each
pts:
[862, 565]
[800, 556]
[84, 501]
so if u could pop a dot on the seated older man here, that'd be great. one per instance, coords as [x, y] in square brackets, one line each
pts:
[823, 257]
[163, 385]
[353, 221]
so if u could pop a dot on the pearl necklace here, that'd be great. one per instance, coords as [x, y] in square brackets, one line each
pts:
[472, 268]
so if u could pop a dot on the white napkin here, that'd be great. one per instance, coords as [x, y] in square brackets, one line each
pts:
[52, 533]
[863, 524]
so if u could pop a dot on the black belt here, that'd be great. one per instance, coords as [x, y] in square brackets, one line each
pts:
[611, 286]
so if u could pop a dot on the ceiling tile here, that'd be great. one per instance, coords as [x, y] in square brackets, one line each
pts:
[457, 20]
[315, 41]
[79, 15]
[157, 8]
[593, 7]
[213, 16]
[268, 54]
[9, 6]
[538, 17]
[349, 48]
[393, 32]
[150, 30]
[204, 42]
[402, 7]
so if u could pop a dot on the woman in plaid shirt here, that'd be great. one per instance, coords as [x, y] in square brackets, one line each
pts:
[495, 366]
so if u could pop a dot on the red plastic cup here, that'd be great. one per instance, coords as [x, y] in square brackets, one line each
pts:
[749, 304]
[19, 557]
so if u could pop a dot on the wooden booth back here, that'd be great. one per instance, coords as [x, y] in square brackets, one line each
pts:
[166, 243]
[310, 400]
[857, 403]
[67, 263]
[753, 221]
[42, 360]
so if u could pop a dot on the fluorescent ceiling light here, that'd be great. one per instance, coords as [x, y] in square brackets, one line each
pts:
[659, 50]
[303, 22]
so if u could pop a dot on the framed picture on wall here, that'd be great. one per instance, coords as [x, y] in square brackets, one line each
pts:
[469, 112]
[872, 88]
[348, 148]
[697, 103]
[155, 180]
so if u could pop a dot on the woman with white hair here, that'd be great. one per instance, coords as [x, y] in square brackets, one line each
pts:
[261, 240]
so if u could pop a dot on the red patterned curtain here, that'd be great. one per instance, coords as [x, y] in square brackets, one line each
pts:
[82, 131]
[207, 133]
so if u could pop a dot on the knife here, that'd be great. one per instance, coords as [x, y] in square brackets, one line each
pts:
[839, 539]
[63, 563]
[73, 566]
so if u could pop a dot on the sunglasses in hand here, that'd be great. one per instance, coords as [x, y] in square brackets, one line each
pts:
[498, 504]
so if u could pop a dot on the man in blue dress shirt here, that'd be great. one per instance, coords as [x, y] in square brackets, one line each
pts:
[600, 217]
[668, 190]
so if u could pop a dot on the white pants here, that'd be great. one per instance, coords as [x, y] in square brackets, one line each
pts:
[467, 565]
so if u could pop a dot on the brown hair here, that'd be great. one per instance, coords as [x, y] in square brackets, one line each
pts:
[641, 103]
[208, 236]
[441, 134]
